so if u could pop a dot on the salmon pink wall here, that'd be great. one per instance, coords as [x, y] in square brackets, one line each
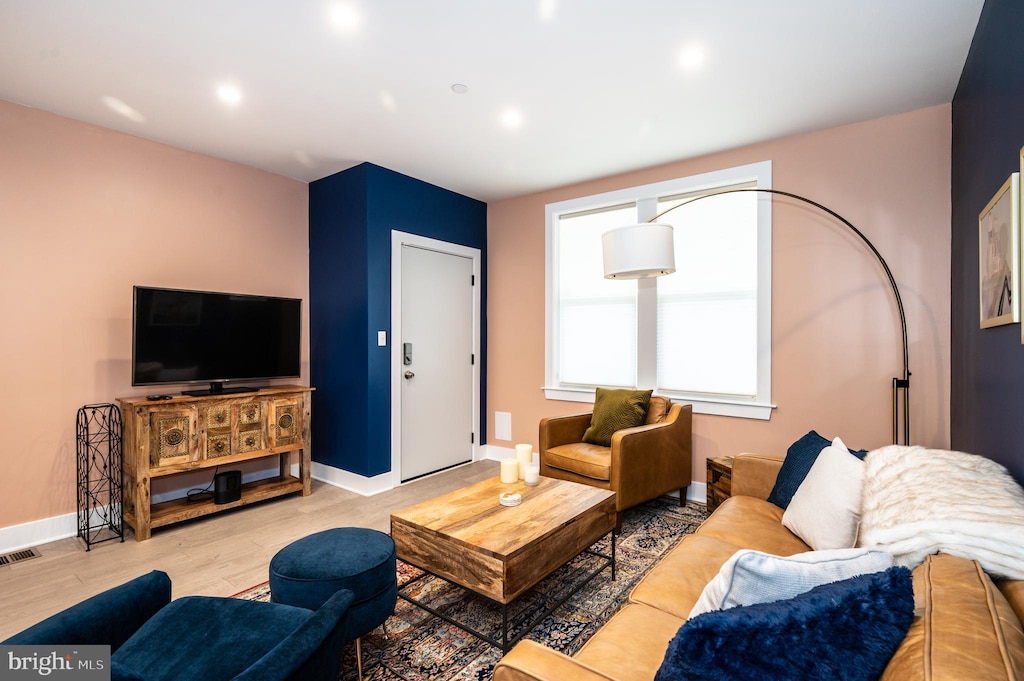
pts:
[85, 214]
[835, 331]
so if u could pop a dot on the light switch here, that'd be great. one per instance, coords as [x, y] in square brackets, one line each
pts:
[382, 338]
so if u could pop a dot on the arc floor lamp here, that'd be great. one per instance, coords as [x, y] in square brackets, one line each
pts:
[646, 250]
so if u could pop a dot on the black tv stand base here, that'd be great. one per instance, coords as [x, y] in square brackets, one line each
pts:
[219, 389]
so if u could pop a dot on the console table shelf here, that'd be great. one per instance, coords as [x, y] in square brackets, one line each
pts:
[177, 510]
[190, 433]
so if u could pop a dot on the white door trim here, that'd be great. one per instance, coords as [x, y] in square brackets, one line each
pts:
[399, 239]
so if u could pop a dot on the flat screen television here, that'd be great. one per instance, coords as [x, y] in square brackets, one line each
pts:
[183, 337]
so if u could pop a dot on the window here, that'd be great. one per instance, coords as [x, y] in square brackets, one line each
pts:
[702, 334]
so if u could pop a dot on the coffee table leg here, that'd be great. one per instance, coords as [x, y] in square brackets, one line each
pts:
[504, 629]
[613, 556]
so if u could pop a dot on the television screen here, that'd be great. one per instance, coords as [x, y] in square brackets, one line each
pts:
[207, 337]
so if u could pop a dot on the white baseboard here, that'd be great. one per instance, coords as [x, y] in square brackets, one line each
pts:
[496, 453]
[27, 535]
[696, 492]
[352, 482]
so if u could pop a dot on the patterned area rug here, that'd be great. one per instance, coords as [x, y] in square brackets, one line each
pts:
[420, 646]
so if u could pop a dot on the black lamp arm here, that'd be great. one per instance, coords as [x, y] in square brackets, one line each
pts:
[898, 384]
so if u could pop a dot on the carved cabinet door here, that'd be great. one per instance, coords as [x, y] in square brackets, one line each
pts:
[174, 436]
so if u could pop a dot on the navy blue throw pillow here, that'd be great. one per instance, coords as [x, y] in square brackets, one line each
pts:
[843, 631]
[800, 456]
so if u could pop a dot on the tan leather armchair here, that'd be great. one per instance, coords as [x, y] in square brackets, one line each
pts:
[642, 463]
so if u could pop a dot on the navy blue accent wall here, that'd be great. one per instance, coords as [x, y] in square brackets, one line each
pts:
[351, 216]
[987, 365]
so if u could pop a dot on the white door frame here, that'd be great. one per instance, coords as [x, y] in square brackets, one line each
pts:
[399, 239]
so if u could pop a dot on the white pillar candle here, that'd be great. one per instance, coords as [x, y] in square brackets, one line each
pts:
[524, 455]
[532, 474]
[509, 470]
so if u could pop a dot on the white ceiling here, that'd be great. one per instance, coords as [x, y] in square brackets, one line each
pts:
[598, 83]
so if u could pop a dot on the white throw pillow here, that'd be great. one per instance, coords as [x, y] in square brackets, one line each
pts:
[825, 510]
[750, 577]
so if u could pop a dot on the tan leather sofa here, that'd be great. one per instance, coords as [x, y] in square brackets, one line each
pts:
[642, 463]
[966, 626]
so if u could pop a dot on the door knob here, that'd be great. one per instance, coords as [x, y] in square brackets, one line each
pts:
[409, 374]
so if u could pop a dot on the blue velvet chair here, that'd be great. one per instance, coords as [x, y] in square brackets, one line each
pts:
[199, 637]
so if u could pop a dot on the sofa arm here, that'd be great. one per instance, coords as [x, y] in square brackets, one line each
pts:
[530, 660]
[108, 618]
[753, 475]
[563, 430]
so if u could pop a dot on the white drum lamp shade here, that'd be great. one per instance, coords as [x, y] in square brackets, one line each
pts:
[638, 251]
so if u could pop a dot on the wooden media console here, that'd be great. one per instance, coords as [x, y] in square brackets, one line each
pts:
[184, 434]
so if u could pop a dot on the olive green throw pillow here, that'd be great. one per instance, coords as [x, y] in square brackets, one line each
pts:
[615, 410]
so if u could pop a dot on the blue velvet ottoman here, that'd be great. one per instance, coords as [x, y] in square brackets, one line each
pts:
[310, 570]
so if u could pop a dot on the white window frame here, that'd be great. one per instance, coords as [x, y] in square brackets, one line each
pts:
[646, 198]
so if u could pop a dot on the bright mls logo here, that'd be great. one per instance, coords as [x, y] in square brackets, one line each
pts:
[81, 663]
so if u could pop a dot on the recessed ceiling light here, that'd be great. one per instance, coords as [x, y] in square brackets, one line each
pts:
[345, 17]
[387, 100]
[459, 89]
[511, 119]
[691, 58]
[229, 94]
[546, 10]
[116, 105]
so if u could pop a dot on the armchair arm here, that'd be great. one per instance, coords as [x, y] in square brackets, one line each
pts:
[753, 475]
[563, 430]
[653, 459]
[108, 618]
[313, 650]
[532, 661]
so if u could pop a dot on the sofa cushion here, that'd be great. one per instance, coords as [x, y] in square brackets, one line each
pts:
[751, 523]
[226, 637]
[1013, 591]
[119, 673]
[799, 458]
[751, 577]
[678, 580]
[825, 511]
[965, 628]
[845, 630]
[616, 410]
[590, 461]
[657, 409]
[631, 645]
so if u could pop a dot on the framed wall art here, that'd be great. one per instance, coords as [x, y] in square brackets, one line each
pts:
[999, 256]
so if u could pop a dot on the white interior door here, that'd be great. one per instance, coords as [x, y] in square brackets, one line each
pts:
[436, 347]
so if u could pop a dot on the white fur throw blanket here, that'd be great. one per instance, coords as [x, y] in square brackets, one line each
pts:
[919, 501]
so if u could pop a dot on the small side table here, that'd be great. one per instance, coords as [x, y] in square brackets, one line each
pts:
[719, 480]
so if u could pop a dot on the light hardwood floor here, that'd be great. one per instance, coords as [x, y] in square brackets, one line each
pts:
[219, 555]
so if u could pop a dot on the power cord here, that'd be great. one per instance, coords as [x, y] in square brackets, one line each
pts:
[194, 494]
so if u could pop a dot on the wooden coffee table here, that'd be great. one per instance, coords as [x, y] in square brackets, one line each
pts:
[499, 552]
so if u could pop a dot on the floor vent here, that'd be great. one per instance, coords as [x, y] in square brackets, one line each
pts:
[18, 556]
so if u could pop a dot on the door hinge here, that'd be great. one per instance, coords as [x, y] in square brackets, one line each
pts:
[472, 438]
[472, 359]
[472, 280]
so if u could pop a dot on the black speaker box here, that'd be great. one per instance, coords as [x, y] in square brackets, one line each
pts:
[227, 487]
